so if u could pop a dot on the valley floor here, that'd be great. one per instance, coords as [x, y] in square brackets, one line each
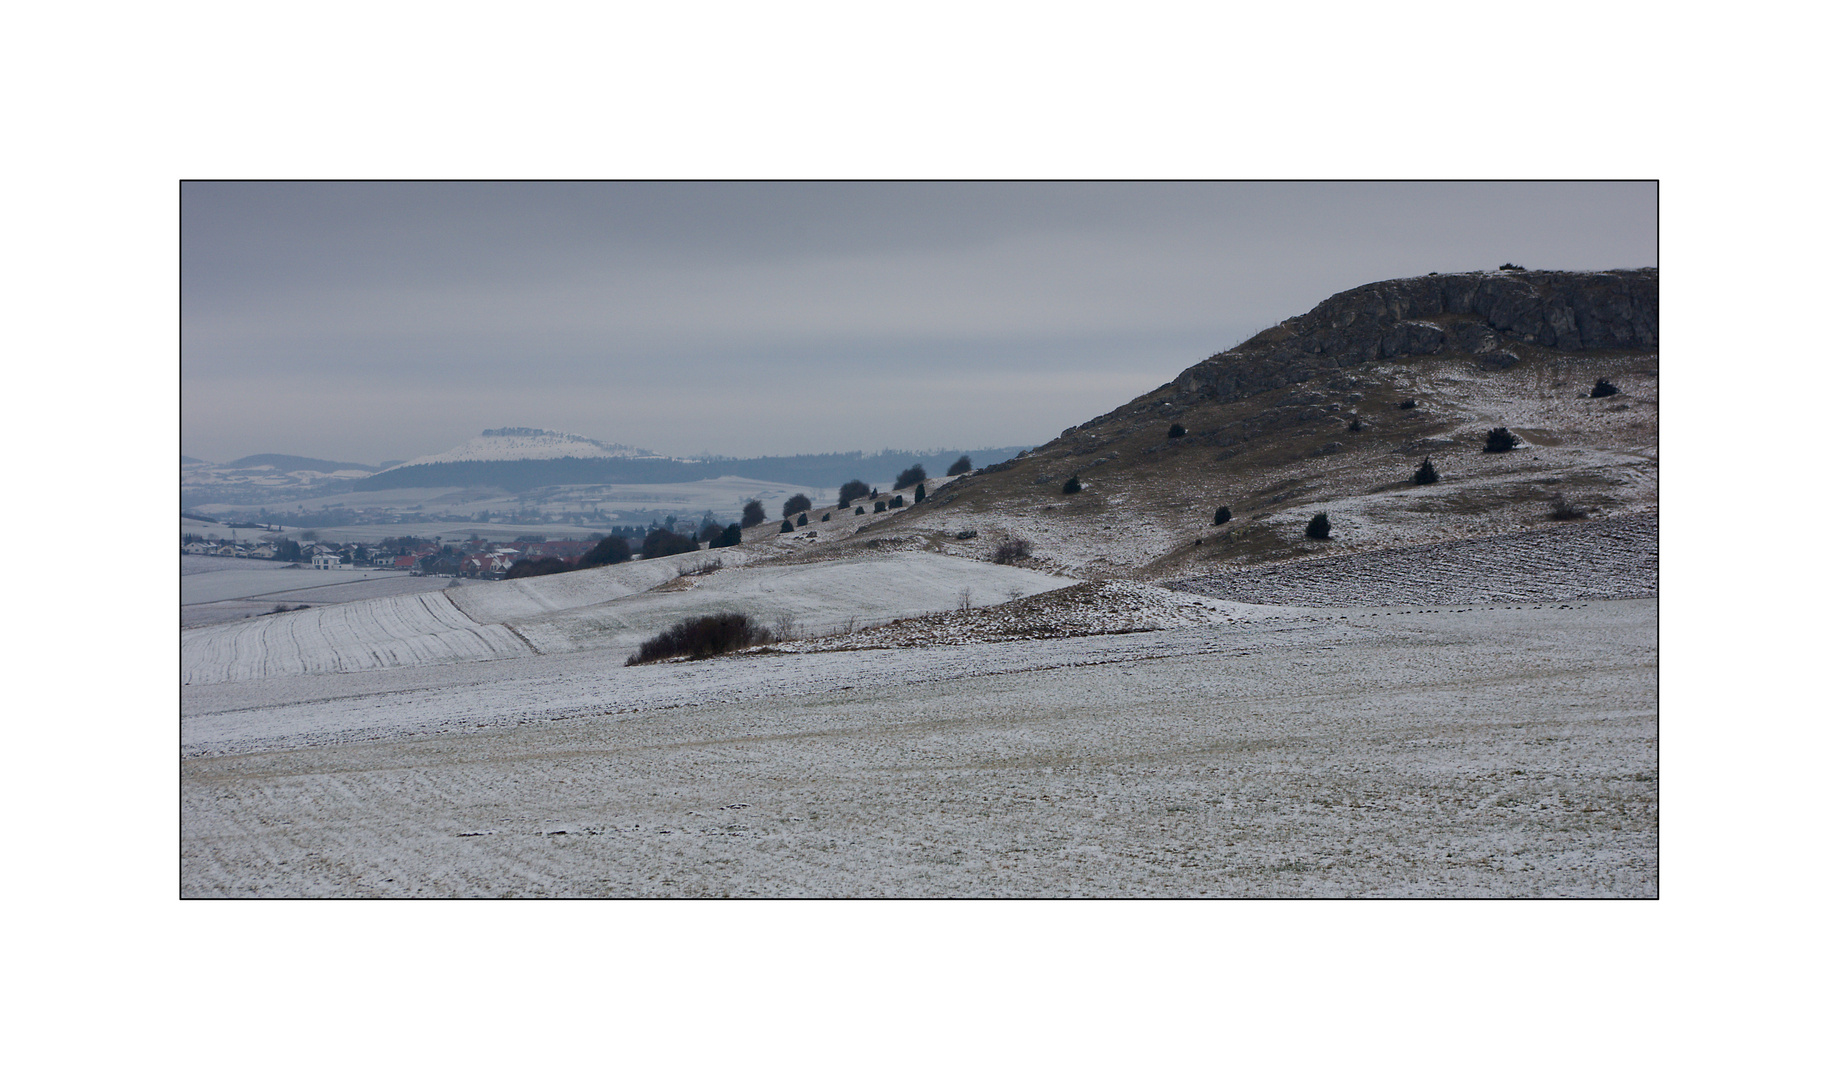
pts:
[1506, 750]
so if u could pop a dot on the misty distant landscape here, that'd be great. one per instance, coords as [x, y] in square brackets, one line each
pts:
[1362, 602]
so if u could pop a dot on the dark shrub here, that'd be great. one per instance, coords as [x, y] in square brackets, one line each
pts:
[960, 466]
[850, 492]
[968, 534]
[613, 549]
[752, 514]
[1176, 431]
[1500, 440]
[910, 476]
[730, 537]
[1604, 388]
[661, 542]
[710, 533]
[1426, 474]
[880, 506]
[1011, 550]
[1071, 487]
[1355, 425]
[785, 526]
[803, 520]
[536, 567]
[797, 504]
[898, 500]
[919, 493]
[1408, 403]
[705, 636]
[1222, 515]
[1562, 510]
[826, 517]
[1512, 266]
[859, 510]
[1318, 527]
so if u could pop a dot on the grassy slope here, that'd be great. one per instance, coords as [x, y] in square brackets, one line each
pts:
[1149, 498]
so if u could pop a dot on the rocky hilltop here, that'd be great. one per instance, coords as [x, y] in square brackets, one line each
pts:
[1481, 314]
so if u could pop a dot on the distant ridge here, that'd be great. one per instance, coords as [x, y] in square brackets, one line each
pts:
[804, 470]
[290, 463]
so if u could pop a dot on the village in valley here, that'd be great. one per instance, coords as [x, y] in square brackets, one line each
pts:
[489, 560]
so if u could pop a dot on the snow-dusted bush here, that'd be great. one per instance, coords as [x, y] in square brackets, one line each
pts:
[1318, 527]
[1563, 510]
[704, 636]
[1011, 550]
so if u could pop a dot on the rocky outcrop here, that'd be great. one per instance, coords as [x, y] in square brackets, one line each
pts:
[1482, 314]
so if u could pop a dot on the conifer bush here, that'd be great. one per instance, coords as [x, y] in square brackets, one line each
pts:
[1604, 388]
[1318, 527]
[1176, 431]
[1071, 487]
[1408, 403]
[1500, 440]
[898, 500]
[661, 542]
[826, 517]
[803, 519]
[1426, 474]
[1222, 515]
[612, 550]
[859, 510]
[919, 492]
[785, 526]
[1355, 425]
[880, 506]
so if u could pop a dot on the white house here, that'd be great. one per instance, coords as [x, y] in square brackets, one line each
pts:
[327, 562]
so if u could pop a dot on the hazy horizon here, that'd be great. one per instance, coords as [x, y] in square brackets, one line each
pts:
[368, 322]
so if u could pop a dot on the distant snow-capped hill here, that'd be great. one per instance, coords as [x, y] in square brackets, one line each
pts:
[528, 444]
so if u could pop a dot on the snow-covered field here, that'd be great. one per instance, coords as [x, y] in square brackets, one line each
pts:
[610, 608]
[1613, 558]
[1289, 752]
[218, 590]
[944, 726]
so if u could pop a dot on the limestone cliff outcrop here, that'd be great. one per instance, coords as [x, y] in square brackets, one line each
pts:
[1483, 314]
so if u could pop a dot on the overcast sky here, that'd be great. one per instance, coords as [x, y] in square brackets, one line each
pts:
[368, 322]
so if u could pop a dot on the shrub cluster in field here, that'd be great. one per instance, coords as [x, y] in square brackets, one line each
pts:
[702, 637]
[1011, 550]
